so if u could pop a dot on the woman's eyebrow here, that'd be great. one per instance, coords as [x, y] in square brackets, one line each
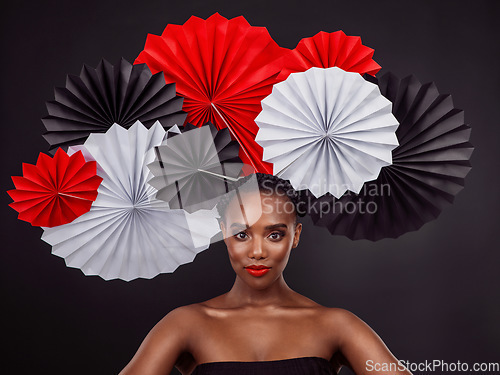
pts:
[239, 225]
[274, 226]
[269, 227]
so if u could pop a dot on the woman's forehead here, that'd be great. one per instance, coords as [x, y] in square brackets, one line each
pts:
[249, 208]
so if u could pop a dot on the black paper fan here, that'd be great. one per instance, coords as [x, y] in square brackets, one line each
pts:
[98, 98]
[195, 167]
[429, 168]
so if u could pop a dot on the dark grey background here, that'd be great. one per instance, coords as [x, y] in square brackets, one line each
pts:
[431, 294]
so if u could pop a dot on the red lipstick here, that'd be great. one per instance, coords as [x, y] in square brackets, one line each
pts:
[257, 271]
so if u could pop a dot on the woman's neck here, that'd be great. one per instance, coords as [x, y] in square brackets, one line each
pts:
[242, 295]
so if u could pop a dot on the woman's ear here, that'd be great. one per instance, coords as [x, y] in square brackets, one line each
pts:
[296, 236]
[222, 228]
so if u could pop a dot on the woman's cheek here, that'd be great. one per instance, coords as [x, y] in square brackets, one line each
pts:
[237, 249]
[280, 250]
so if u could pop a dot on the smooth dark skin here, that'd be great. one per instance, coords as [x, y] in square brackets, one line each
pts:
[260, 318]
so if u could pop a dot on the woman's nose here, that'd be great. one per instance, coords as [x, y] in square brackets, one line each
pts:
[257, 250]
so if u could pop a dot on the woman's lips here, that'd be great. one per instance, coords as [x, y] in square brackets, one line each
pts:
[257, 271]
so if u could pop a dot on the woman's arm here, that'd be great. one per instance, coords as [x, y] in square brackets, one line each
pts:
[362, 349]
[163, 346]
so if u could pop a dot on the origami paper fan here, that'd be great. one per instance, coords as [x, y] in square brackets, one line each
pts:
[429, 167]
[325, 50]
[100, 97]
[327, 130]
[192, 169]
[223, 68]
[55, 191]
[128, 233]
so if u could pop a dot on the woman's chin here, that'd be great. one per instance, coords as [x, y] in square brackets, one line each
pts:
[259, 282]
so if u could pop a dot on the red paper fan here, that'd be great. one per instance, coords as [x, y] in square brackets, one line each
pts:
[223, 68]
[325, 50]
[55, 191]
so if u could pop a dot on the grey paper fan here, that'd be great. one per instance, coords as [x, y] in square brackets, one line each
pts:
[194, 168]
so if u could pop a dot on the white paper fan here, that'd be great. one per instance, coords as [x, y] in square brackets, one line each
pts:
[327, 130]
[128, 233]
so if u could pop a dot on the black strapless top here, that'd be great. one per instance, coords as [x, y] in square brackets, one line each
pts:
[292, 366]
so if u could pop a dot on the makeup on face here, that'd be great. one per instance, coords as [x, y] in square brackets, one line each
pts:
[239, 228]
[259, 248]
[273, 233]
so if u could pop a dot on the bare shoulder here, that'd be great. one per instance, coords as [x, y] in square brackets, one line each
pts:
[342, 322]
[165, 343]
[358, 344]
[189, 315]
[181, 317]
[175, 326]
[337, 315]
[189, 311]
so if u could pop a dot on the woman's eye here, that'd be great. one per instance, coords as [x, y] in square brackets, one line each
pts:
[276, 235]
[241, 235]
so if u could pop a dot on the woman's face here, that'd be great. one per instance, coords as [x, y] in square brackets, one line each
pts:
[259, 235]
